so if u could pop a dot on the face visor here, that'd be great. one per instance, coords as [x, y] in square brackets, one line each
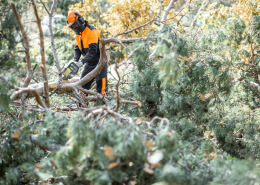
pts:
[76, 26]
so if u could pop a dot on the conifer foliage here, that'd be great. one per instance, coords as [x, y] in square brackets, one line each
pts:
[182, 108]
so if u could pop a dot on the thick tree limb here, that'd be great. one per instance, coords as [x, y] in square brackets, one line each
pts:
[27, 48]
[43, 67]
[33, 93]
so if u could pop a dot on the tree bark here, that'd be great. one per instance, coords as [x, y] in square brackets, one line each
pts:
[27, 48]
[43, 67]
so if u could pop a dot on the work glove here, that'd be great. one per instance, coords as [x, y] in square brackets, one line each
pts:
[79, 63]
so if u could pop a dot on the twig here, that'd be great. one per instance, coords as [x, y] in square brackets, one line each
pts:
[202, 6]
[45, 7]
[131, 54]
[117, 89]
[152, 20]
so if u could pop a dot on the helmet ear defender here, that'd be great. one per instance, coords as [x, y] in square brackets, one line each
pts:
[81, 19]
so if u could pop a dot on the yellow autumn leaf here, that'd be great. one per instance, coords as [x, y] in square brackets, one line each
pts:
[40, 116]
[23, 65]
[212, 155]
[148, 144]
[109, 152]
[202, 97]
[37, 167]
[112, 165]
[16, 135]
[53, 86]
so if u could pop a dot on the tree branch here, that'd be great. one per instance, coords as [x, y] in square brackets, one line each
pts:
[117, 89]
[53, 43]
[135, 28]
[27, 48]
[43, 67]
[169, 7]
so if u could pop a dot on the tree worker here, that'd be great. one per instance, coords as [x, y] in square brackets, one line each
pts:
[87, 37]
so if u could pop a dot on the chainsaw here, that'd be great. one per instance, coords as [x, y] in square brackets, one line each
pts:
[70, 71]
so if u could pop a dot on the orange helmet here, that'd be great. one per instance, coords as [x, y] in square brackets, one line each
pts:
[75, 22]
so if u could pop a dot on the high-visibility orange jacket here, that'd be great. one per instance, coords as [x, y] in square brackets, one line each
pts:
[88, 45]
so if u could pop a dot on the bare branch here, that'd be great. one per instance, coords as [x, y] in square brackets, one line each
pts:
[106, 41]
[27, 48]
[45, 7]
[169, 7]
[117, 89]
[152, 20]
[43, 67]
[131, 54]
[34, 93]
[202, 6]
[187, 4]
[99, 96]
[53, 43]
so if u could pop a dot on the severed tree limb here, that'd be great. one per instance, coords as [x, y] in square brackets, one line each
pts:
[98, 96]
[35, 94]
[43, 67]
[27, 48]
[135, 103]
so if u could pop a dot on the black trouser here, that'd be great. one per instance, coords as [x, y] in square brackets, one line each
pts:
[101, 79]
